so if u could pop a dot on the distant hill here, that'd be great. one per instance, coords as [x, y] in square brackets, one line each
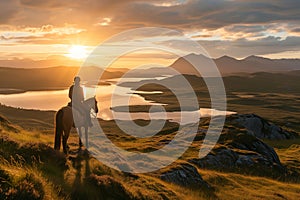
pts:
[228, 65]
[5, 125]
[51, 61]
[48, 78]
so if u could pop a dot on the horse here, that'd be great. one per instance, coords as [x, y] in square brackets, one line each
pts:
[65, 121]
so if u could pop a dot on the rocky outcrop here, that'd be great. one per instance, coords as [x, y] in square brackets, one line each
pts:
[184, 175]
[261, 128]
[237, 150]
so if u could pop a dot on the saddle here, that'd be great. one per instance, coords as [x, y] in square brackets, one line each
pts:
[80, 115]
[76, 108]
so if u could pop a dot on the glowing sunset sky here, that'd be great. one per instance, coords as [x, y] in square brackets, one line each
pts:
[44, 29]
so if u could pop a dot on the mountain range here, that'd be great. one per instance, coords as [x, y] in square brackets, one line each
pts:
[26, 77]
[228, 65]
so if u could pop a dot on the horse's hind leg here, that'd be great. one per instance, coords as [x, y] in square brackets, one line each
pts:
[65, 139]
[65, 149]
[58, 129]
[57, 141]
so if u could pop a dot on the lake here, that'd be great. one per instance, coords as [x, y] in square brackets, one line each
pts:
[54, 100]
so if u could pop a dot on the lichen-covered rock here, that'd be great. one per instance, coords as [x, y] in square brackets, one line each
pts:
[184, 175]
[261, 128]
[239, 151]
[222, 157]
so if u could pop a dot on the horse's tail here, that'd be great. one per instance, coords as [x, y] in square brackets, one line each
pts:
[58, 129]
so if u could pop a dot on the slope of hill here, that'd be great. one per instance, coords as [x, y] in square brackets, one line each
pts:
[240, 162]
[51, 61]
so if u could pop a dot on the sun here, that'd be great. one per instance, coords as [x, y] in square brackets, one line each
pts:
[77, 52]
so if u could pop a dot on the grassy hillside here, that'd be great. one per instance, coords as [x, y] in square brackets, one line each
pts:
[31, 169]
[29, 119]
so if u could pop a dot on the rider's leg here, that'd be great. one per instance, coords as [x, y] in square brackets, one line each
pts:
[86, 113]
[88, 116]
[79, 108]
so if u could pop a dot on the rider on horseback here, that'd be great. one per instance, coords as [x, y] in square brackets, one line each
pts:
[77, 97]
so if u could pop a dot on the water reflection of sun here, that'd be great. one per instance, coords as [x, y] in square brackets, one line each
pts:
[84, 91]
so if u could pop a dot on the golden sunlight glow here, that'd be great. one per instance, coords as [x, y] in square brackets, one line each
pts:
[77, 52]
[84, 91]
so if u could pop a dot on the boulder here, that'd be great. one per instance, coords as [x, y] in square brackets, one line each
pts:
[184, 175]
[238, 150]
[261, 128]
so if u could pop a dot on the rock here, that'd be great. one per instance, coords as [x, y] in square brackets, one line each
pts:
[221, 157]
[237, 149]
[261, 128]
[184, 175]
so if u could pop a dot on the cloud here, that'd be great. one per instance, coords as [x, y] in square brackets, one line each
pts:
[296, 30]
[202, 36]
[151, 54]
[210, 14]
[218, 23]
[246, 28]
[8, 10]
[183, 15]
[243, 47]
[47, 34]
[45, 3]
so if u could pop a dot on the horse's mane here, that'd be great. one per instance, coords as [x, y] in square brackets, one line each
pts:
[90, 99]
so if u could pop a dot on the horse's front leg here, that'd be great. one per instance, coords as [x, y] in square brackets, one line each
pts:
[80, 135]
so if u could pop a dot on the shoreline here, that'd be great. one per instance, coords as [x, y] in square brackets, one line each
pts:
[8, 91]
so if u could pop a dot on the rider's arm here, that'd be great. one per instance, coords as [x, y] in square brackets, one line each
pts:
[71, 92]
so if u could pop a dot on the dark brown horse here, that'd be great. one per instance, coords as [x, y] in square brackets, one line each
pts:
[65, 121]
